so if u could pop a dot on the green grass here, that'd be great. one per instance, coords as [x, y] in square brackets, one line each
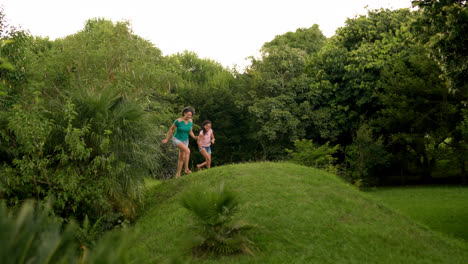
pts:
[151, 183]
[441, 208]
[303, 215]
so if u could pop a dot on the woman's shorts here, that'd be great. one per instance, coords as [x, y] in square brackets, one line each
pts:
[176, 141]
[208, 149]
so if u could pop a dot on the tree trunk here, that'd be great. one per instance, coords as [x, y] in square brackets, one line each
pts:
[425, 164]
[460, 148]
[464, 172]
[402, 177]
[427, 169]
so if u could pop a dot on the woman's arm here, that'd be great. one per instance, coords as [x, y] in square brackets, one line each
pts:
[169, 134]
[199, 141]
[193, 135]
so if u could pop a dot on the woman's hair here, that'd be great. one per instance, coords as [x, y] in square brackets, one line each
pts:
[206, 122]
[188, 109]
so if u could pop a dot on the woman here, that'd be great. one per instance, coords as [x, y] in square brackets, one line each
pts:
[205, 139]
[181, 140]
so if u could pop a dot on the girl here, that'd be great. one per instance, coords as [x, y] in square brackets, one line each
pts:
[181, 140]
[205, 139]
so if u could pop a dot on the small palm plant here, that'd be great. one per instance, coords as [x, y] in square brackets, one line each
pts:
[216, 232]
[33, 236]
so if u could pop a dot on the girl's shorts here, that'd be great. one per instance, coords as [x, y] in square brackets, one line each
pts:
[208, 149]
[176, 141]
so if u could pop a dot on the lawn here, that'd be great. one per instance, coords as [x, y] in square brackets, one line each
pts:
[441, 208]
[303, 215]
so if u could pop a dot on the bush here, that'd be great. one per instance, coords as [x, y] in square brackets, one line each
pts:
[309, 154]
[365, 158]
[90, 151]
[216, 232]
[50, 160]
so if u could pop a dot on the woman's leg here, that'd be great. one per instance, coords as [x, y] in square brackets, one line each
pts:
[186, 160]
[180, 163]
[183, 150]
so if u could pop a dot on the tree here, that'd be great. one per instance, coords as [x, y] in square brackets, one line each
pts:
[366, 158]
[442, 28]
[373, 71]
[207, 86]
[79, 132]
[310, 40]
[13, 60]
[277, 94]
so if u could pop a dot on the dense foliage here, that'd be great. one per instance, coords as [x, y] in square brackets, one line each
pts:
[75, 129]
[81, 118]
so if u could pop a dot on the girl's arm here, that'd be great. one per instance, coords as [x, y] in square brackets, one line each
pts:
[173, 127]
[212, 138]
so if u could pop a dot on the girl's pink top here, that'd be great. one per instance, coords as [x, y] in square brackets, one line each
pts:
[205, 140]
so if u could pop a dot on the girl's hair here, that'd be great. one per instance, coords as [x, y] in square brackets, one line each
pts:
[188, 109]
[206, 122]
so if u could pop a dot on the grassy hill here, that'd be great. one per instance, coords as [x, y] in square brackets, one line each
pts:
[303, 215]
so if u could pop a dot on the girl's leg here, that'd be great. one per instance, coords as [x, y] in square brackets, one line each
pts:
[208, 161]
[205, 155]
[199, 166]
[183, 150]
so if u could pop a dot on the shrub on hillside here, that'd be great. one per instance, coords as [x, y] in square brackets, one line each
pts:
[216, 231]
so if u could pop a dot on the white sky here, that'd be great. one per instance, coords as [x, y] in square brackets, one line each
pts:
[221, 30]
